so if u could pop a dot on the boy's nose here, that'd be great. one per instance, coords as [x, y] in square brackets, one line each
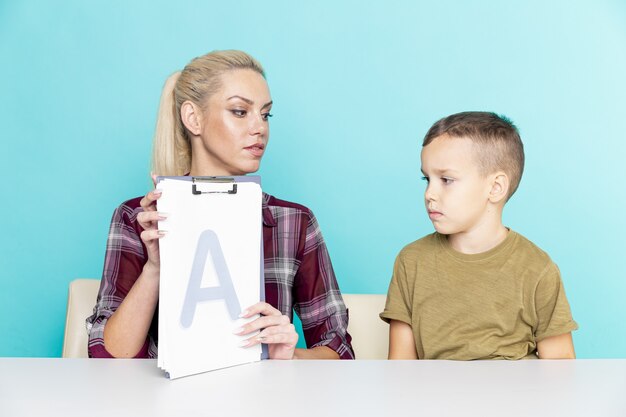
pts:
[428, 194]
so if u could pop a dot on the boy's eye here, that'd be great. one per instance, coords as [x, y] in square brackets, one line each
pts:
[447, 180]
[266, 116]
[239, 113]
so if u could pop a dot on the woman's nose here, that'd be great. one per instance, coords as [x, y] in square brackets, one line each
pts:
[258, 125]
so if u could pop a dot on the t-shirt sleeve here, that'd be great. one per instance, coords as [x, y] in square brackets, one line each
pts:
[399, 301]
[124, 261]
[553, 311]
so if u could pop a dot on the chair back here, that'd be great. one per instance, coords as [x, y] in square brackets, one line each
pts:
[80, 302]
[370, 335]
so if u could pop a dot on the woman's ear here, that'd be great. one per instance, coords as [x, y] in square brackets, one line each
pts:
[499, 188]
[192, 117]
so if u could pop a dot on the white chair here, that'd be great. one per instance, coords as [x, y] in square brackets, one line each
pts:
[80, 302]
[370, 335]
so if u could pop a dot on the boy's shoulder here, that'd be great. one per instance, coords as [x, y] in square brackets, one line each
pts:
[530, 255]
[421, 247]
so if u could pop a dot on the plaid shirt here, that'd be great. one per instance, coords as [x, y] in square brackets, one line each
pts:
[298, 276]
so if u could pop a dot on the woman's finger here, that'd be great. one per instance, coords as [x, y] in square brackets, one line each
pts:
[148, 219]
[263, 322]
[262, 308]
[280, 338]
[285, 334]
[288, 340]
[148, 201]
[286, 329]
[148, 236]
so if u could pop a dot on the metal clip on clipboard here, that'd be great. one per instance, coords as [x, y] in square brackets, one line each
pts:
[218, 180]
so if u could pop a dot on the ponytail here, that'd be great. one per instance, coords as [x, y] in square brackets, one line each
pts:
[171, 153]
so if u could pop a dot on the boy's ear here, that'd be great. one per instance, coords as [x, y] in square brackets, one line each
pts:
[191, 117]
[499, 188]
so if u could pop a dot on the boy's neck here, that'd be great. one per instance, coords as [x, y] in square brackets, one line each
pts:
[479, 240]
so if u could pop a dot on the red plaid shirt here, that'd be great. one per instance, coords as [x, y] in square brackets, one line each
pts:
[298, 276]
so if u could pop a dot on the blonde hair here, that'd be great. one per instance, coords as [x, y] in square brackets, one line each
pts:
[201, 78]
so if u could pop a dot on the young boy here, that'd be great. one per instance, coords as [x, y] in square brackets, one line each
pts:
[475, 289]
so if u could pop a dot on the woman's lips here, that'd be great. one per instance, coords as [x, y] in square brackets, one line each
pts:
[256, 150]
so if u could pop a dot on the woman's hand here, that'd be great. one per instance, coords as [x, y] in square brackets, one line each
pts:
[148, 219]
[126, 330]
[276, 331]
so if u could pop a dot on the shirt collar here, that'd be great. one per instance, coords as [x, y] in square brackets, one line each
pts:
[268, 218]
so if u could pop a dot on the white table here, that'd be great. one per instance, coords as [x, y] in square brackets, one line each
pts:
[117, 388]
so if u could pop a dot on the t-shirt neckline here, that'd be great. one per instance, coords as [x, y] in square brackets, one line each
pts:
[497, 250]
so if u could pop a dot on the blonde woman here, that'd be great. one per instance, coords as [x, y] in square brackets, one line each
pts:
[214, 120]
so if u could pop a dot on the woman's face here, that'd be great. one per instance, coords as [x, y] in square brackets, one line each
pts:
[234, 126]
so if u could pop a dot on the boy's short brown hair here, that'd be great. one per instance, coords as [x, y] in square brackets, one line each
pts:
[499, 146]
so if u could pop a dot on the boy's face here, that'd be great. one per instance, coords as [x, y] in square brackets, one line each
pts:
[457, 195]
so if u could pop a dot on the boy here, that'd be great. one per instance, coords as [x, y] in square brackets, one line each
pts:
[475, 289]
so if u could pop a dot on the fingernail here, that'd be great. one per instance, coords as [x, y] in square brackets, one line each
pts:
[244, 313]
[238, 330]
[260, 338]
[161, 232]
[156, 191]
[163, 216]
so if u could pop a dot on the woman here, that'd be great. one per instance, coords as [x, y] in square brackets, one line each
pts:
[213, 121]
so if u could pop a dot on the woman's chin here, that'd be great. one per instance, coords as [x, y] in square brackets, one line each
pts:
[250, 167]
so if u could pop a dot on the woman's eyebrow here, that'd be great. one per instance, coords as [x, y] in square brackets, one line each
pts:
[247, 100]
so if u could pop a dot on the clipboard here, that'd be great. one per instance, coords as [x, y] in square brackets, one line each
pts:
[211, 268]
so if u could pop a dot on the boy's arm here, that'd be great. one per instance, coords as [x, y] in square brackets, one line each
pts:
[401, 342]
[556, 347]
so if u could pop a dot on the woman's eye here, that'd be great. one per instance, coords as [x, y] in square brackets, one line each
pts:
[425, 179]
[447, 180]
[266, 116]
[239, 113]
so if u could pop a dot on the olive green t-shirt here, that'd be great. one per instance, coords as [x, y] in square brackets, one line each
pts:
[491, 305]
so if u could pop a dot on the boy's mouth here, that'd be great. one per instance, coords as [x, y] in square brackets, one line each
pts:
[434, 215]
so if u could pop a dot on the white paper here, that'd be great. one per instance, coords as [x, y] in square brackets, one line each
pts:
[231, 223]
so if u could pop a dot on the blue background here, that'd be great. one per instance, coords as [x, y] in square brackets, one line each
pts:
[356, 85]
